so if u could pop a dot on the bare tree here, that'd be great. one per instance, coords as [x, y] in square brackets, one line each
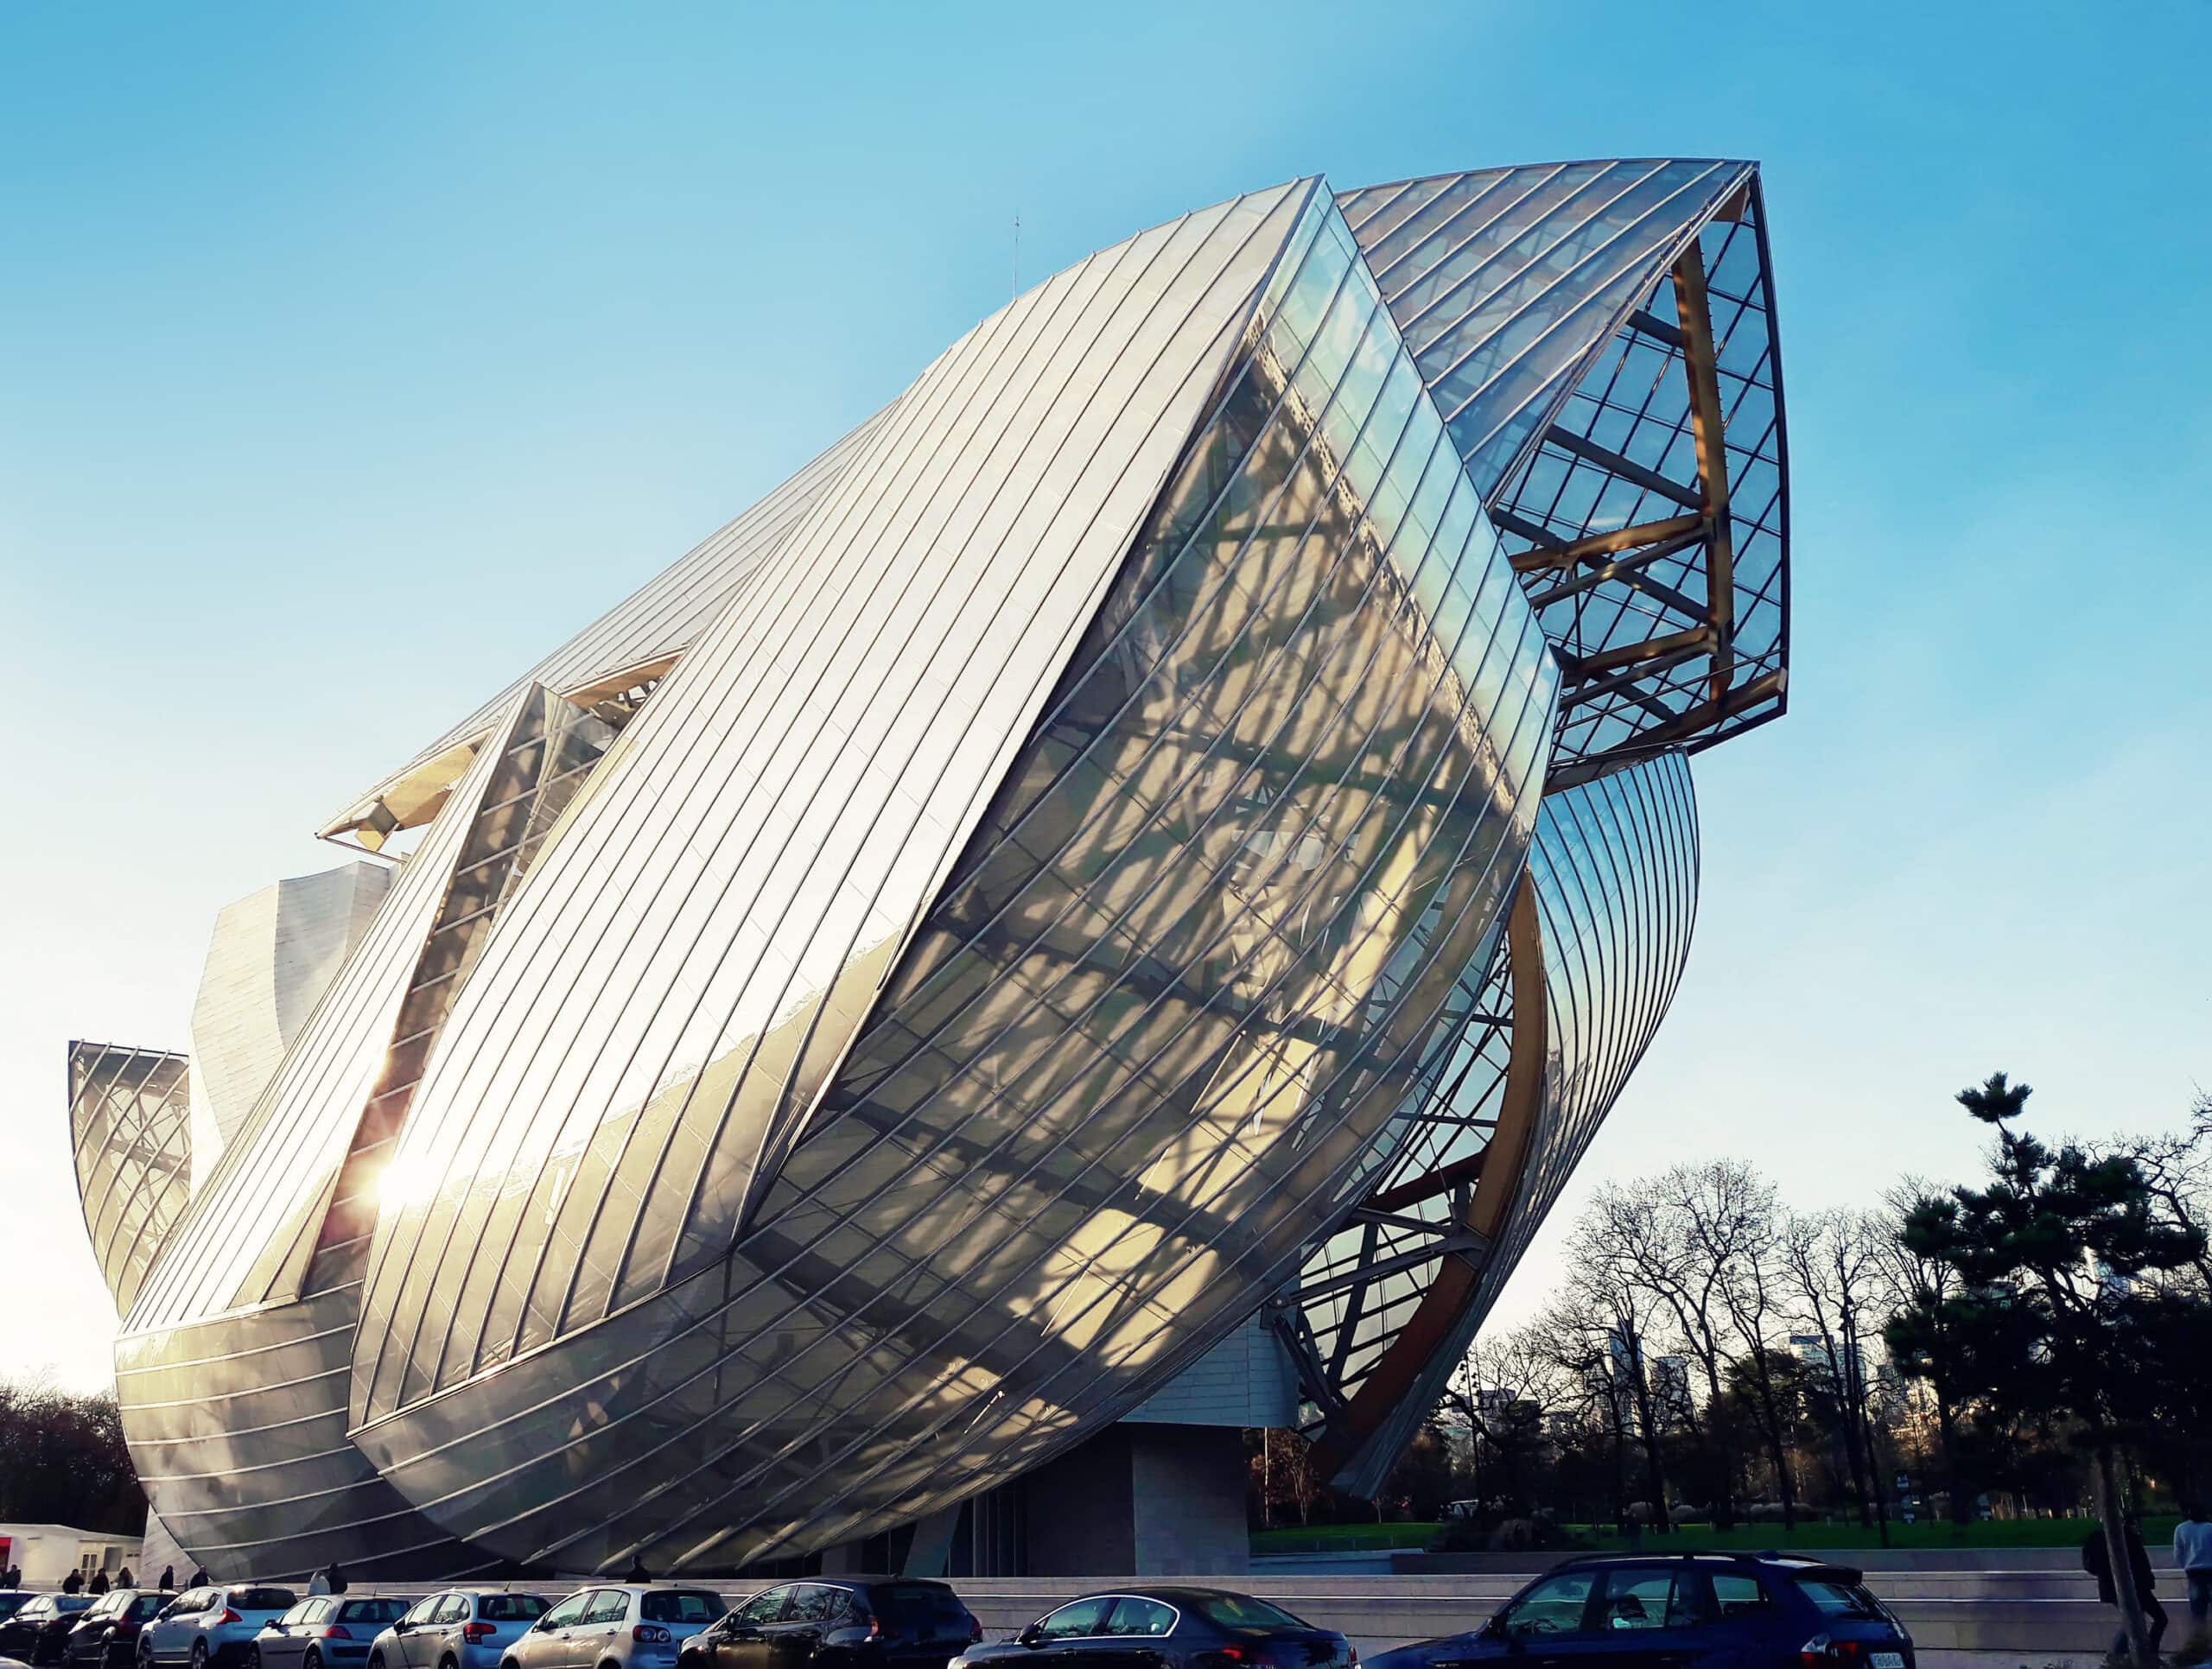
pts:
[1834, 1265]
[1618, 1303]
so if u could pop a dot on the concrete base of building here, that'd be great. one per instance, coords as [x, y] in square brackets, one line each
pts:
[1147, 1501]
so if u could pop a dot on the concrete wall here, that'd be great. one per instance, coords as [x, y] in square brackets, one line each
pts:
[1146, 1499]
[48, 1553]
[1245, 1380]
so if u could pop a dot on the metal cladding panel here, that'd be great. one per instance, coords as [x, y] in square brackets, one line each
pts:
[271, 957]
[1615, 871]
[1206, 907]
[665, 616]
[684, 970]
[130, 1135]
[237, 1429]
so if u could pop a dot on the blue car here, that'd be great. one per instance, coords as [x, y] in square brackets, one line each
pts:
[1695, 1611]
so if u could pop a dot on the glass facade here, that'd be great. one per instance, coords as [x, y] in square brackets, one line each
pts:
[130, 1135]
[1613, 876]
[1124, 835]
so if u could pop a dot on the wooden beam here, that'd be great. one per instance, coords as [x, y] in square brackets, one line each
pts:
[1628, 570]
[1697, 639]
[1708, 430]
[1458, 1280]
[1604, 544]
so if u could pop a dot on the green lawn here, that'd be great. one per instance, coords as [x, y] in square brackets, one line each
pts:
[1995, 1533]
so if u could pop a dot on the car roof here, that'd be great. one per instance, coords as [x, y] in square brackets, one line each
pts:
[1796, 1564]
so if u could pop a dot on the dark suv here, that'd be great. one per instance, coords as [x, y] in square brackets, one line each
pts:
[1746, 1610]
[839, 1624]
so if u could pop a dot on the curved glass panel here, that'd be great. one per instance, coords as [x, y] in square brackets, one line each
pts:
[1614, 869]
[130, 1135]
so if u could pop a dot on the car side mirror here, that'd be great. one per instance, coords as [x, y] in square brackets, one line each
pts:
[1030, 1635]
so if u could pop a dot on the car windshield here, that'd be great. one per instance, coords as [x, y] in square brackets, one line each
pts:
[1243, 1611]
[1838, 1599]
[509, 1607]
[11, 1604]
[680, 1605]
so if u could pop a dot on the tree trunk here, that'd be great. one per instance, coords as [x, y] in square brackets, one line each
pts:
[2105, 1470]
[1946, 1423]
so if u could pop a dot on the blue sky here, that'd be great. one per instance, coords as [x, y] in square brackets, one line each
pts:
[350, 357]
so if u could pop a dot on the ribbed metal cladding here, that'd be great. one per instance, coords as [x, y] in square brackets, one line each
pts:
[1615, 870]
[1092, 1042]
[130, 1137]
[231, 1377]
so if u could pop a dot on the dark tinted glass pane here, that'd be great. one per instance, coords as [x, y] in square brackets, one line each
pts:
[1243, 1611]
[683, 1605]
[145, 1606]
[1838, 1599]
[912, 1605]
[262, 1599]
[375, 1611]
[509, 1607]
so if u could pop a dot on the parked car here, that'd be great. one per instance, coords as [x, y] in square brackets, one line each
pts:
[323, 1628]
[13, 1600]
[853, 1624]
[631, 1627]
[1747, 1611]
[38, 1626]
[211, 1625]
[457, 1629]
[1176, 1627]
[105, 1633]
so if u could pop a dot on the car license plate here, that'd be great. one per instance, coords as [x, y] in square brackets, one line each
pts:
[1886, 1660]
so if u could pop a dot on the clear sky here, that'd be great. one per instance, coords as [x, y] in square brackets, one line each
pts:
[352, 356]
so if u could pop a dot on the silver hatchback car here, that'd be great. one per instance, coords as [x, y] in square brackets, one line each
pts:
[631, 1626]
[456, 1628]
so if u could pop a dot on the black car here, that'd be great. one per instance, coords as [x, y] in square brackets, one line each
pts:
[1174, 1628]
[34, 1633]
[882, 1624]
[1747, 1611]
[106, 1631]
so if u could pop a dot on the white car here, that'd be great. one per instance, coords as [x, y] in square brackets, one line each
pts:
[457, 1629]
[212, 1625]
[631, 1627]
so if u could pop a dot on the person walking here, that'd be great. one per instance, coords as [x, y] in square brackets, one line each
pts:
[319, 1583]
[2193, 1553]
[100, 1583]
[168, 1579]
[73, 1583]
[125, 1579]
[2096, 1559]
[201, 1579]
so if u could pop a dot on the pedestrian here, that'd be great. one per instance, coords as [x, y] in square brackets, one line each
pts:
[2193, 1553]
[201, 1579]
[337, 1577]
[168, 1579]
[125, 1579]
[637, 1570]
[13, 1578]
[2096, 1559]
[73, 1583]
[319, 1583]
[100, 1583]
